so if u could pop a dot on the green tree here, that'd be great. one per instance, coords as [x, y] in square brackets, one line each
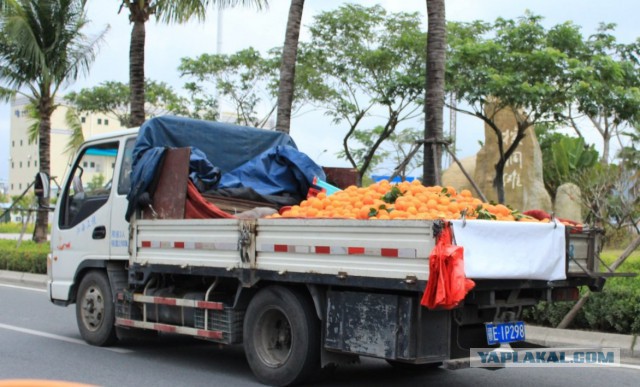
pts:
[517, 66]
[564, 157]
[166, 11]
[96, 183]
[403, 144]
[434, 94]
[288, 66]
[364, 67]
[629, 157]
[246, 79]
[608, 86]
[112, 97]
[42, 47]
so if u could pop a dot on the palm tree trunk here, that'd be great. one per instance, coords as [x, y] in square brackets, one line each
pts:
[434, 99]
[45, 109]
[136, 69]
[288, 66]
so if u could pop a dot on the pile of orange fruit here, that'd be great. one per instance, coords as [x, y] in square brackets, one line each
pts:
[405, 200]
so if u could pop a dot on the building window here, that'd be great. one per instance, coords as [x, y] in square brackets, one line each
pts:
[93, 165]
[13, 143]
[20, 186]
[20, 142]
[17, 112]
[21, 164]
[83, 119]
[106, 121]
[12, 186]
[99, 121]
[35, 163]
[12, 166]
[28, 163]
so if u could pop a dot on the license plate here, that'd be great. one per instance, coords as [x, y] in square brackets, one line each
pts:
[505, 332]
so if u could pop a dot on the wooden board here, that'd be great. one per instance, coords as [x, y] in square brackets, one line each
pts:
[171, 189]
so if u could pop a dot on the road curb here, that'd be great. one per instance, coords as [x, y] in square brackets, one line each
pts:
[552, 337]
[38, 280]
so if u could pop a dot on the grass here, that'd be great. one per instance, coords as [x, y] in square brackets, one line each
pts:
[15, 228]
[630, 265]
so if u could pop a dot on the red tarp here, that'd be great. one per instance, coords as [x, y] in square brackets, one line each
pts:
[197, 207]
[447, 284]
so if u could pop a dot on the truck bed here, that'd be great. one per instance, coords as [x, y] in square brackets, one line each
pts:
[337, 247]
[343, 248]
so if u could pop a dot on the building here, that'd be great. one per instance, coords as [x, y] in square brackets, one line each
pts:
[24, 156]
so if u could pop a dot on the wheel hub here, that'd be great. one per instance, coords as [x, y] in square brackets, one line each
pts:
[275, 347]
[92, 308]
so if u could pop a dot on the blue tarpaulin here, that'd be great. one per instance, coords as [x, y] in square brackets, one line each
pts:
[280, 170]
[227, 146]
[263, 160]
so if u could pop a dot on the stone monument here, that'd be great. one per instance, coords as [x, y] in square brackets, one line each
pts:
[568, 202]
[524, 187]
[454, 177]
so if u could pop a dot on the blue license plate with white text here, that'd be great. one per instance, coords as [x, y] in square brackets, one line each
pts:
[508, 332]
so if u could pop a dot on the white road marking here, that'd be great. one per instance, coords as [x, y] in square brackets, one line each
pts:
[57, 337]
[24, 288]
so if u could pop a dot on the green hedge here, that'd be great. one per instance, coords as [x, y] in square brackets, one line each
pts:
[615, 309]
[612, 310]
[30, 257]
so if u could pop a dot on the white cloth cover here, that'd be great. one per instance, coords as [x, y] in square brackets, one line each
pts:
[512, 250]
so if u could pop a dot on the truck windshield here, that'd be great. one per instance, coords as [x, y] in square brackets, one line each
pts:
[89, 185]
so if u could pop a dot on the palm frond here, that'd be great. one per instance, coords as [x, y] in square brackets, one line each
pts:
[72, 119]
[171, 11]
[33, 130]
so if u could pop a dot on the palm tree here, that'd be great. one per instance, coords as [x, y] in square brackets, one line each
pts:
[434, 98]
[288, 66]
[166, 11]
[42, 47]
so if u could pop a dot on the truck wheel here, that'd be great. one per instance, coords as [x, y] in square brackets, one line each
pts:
[281, 337]
[95, 310]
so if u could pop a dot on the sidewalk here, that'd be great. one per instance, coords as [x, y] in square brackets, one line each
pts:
[552, 337]
[20, 278]
[25, 237]
[548, 337]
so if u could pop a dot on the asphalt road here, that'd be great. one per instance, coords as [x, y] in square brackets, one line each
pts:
[40, 341]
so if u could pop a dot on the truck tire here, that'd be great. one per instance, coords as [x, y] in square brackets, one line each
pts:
[95, 310]
[282, 337]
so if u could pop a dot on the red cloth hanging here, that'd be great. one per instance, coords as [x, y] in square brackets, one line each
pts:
[447, 284]
[196, 207]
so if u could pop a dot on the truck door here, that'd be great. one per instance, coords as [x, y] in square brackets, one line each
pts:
[119, 236]
[80, 235]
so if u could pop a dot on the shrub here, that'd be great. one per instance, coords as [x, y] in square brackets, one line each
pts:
[30, 257]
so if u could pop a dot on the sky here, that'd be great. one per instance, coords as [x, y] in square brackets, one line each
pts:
[247, 27]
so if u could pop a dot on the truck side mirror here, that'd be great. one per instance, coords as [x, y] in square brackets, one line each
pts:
[41, 185]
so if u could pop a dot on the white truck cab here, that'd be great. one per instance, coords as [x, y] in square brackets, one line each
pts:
[89, 229]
